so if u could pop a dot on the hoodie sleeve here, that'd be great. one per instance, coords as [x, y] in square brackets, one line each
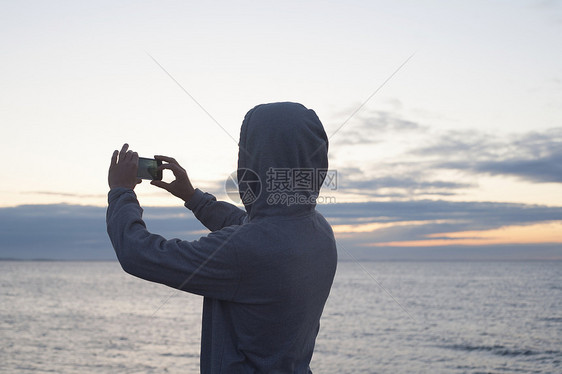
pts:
[207, 267]
[214, 214]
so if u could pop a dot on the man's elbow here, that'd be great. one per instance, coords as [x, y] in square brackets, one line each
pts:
[126, 261]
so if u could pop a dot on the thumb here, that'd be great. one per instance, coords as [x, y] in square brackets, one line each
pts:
[160, 184]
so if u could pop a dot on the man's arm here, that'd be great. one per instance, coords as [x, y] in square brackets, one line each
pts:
[214, 214]
[206, 266]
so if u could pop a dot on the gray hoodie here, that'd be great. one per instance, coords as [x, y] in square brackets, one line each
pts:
[265, 272]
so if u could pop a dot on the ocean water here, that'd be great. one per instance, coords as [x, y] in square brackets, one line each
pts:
[382, 317]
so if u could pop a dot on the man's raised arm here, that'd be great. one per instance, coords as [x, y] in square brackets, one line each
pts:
[213, 214]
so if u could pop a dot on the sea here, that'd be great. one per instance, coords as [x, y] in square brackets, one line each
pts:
[381, 317]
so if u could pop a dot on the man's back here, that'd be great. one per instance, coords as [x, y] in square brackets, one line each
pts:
[271, 322]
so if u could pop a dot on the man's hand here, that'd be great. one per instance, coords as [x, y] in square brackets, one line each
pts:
[123, 168]
[181, 186]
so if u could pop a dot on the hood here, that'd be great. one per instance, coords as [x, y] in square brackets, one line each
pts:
[282, 160]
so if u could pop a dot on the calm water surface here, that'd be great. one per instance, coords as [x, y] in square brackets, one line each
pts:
[382, 317]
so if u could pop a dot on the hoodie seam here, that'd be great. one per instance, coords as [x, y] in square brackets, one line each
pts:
[239, 275]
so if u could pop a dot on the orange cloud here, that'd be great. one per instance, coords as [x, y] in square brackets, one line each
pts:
[370, 227]
[540, 233]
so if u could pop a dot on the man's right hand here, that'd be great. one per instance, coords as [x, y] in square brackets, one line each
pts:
[181, 186]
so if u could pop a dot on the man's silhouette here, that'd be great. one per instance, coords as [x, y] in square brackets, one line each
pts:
[265, 272]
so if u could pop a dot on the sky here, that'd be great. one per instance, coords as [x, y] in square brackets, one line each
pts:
[444, 117]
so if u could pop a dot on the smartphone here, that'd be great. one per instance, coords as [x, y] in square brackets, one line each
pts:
[148, 169]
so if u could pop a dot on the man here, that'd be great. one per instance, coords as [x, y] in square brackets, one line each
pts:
[265, 272]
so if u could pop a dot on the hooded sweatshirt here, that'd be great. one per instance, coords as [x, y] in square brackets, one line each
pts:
[265, 272]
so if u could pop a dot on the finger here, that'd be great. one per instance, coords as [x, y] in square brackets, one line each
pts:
[170, 160]
[131, 156]
[160, 184]
[123, 150]
[114, 158]
[175, 168]
[139, 181]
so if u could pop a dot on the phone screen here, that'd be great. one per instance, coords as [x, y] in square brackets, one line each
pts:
[148, 169]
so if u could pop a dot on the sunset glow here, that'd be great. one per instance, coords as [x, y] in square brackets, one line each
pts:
[444, 119]
[533, 234]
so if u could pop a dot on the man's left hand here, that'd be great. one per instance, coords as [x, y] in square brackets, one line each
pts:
[123, 168]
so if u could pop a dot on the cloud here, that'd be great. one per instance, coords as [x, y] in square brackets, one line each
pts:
[534, 156]
[437, 164]
[398, 230]
[449, 162]
[74, 232]
[543, 170]
[461, 216]
[52, 231]
[372, 128]
[64, 194]
[458, 144]
[403, 221]
[399, 186]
